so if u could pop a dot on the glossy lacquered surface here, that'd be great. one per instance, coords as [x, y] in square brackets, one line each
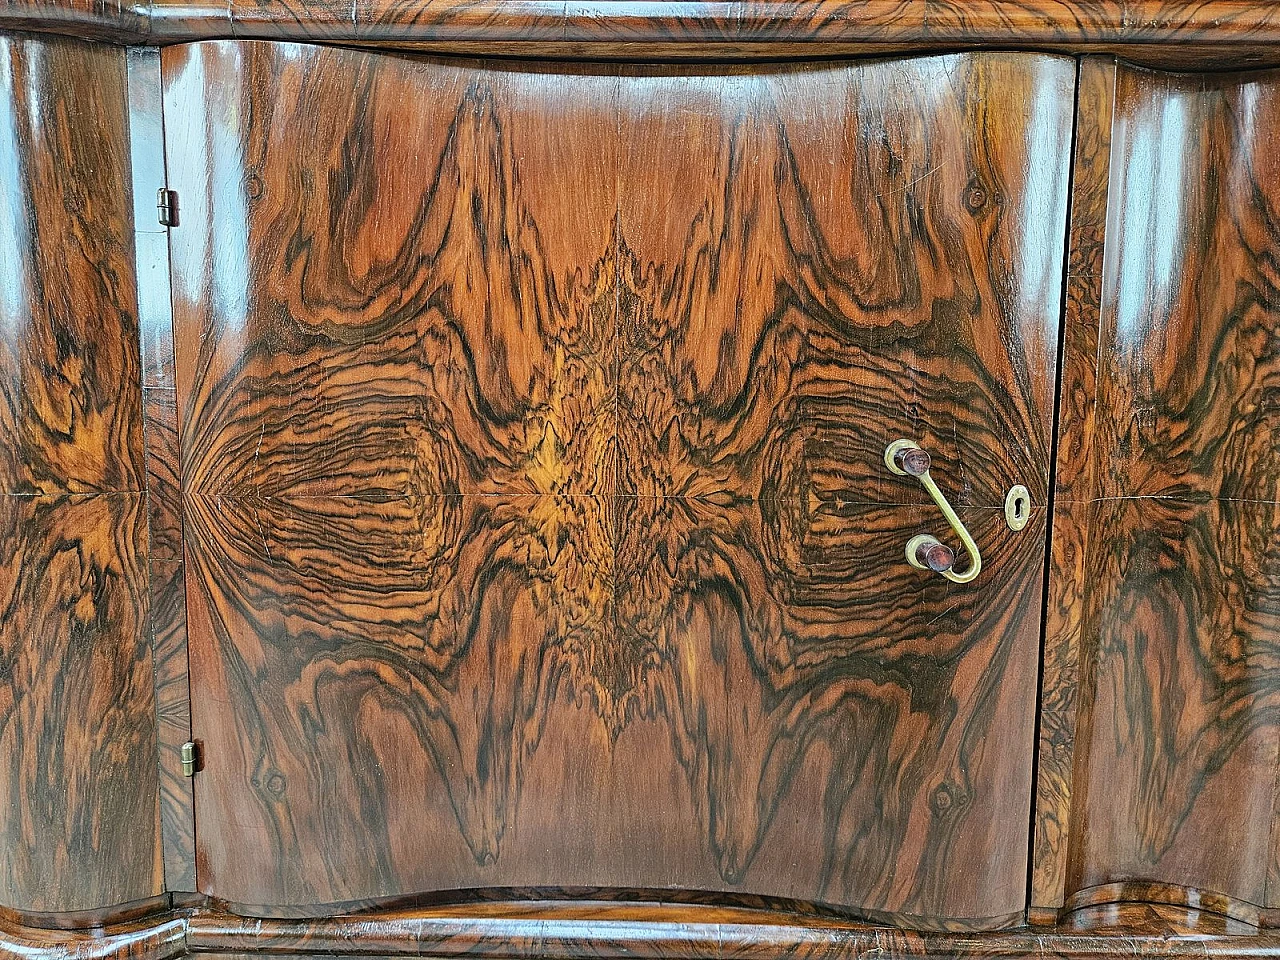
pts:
[78, 822]
[1208, 34]
[1073, 488]
[533, 423]
[593, 929]
[585, 929]
[163, 474]
[1175, 584]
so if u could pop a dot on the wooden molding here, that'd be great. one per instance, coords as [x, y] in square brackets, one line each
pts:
[1216, 35]
[604, 931]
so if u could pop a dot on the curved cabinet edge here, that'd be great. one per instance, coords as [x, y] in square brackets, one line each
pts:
[1171, 894]
[605, 931]
[1239, 33]
[160, 937]
[79, 826]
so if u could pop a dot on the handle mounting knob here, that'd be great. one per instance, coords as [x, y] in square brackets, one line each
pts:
[927, 553]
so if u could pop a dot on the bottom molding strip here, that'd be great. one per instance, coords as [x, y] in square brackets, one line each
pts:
[612, 931]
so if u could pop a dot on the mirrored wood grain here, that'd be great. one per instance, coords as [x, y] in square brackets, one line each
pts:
[812, 282]
[536, 506]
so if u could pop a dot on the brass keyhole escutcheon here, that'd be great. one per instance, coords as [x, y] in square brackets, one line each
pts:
[1017, 507]
[906, 458]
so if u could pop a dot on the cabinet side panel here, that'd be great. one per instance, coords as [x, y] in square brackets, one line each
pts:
[1176, 757]
[1073, 482]
[163, 473]
[78, 820]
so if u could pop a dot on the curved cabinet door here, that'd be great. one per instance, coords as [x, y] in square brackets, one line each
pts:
[1166, 577]
[533, 428]
[79, 819]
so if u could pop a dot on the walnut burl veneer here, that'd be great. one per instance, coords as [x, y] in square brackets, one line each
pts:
[533, 425]
[78, 782]
[467, 441]
[1209, 34]
[1165, 589]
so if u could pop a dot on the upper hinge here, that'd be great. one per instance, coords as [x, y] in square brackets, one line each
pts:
[189, 759]
[167, 207]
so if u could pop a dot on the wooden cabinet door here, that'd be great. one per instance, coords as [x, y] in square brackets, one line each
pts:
[79, 818]
[533, 423]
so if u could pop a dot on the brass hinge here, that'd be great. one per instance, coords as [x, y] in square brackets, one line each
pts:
[189, 759]
[167, 207]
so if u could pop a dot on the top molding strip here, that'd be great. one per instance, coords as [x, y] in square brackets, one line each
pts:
[1206, 34]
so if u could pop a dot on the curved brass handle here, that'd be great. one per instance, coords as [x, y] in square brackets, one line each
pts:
[907, 459]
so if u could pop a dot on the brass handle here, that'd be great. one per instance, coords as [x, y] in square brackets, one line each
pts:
[907, 459]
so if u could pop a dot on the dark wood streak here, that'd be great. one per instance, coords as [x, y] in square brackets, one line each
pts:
[1178, 593]
[78, 819]
[1212, 34]
[535, 500]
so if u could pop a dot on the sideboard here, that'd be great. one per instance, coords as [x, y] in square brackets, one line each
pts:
[611, 479]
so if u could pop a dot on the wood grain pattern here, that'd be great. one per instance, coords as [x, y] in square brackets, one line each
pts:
[167, 589]
[158, 937]
[1189, 375]
[88, 19]
[164, 493]
[1175, 757]
[582, 930]
[535, 505]
[69, 412]
[1073, 487]
[1171, 895]
[1182, 731]
[846, 308]
[77, 724]
[173, 712]
[1210, 34]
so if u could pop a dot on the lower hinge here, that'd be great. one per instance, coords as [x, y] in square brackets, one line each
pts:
[189, 759]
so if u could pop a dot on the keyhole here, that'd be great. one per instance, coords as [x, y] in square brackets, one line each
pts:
[1017, 507]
